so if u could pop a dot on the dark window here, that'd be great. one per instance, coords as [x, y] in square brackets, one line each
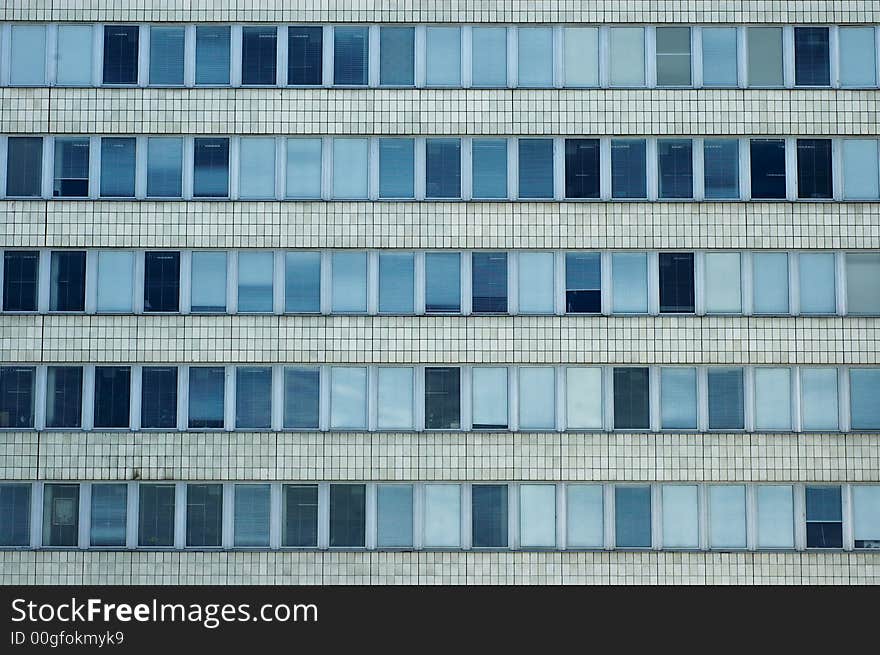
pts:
[631, 399]
[161, 281]
[68, 284]
[824, 517]
[71, 173]
[204, 514]
[397, 56]
[675, 161]
[347, 515]
[16, 397]
[120, 54]
[442, 282]
[582, 168]
[628, 168]
[814, 168]
[768, 168]
[301, 398]
[24, 166]
[117, 167]
[15, 515]
[112, 396]
[489, 271]
[304, 54]
[442, 398]
[156, 515]
[253, 397]
[211, 168]
[536, 168]
[443, 168]
[212, 54]
[258, 55]
[350, 55]
[300, 528]
[632, 517]
[811, 56]
[583, 283]
[159, 397]
[64, 396]
[108, 514]
[61, 515]
[676, 282]
[489, 515]
[206, 396]
[726, 399]
[20, 268]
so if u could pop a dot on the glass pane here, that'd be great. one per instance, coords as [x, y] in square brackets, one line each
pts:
[719, 56]
[629, 281]
[490, 398]
[166, 55]
[395, 396]
[443, 168]
[74, 58]
[117, 167]
[628, 166]
[156, 515]
[676, 282]
[824, 517]
[396, 282]
[15, 515]
[396, 168]
[204, 514]
[819, 404]
[159, 397]
[304, 168]
[537, 515]
[258, 58]
[489, 46]
[860, 169]
[67, 283]
[120, 54]
[858, 61]
[305, 52]
[211, 168]
[350, 55]
[115, 280]
[775, 516]
[206, 396]
[678, 398]
[817, 279]
[442, 398]
[721, 168]
[583, 404]
[489, 277]
[255, 277]
[60, 514]
[350, 168]
[765, 56]
[581, 56]
[443, 56]
[583, 283]
[489, 515]
[109, 512]
[349, 285]
[772, 398]
[631, 400]
[302, 282]
[489, 157]
[725, 399]
[442, 515]
[394, 507]
[64, 396]
[28, 64]
[727, 516]
[301, 398]
[866, 515]
[164, 167]
[627, 56]
[673, 56]
[347, 515]
[536, 273]
[17, 397]
[251, 515]
[535, 56]
[257, 168]
[770, 270]
[212, 54]
[680, 516]
[300, 527]
[442, 282]
[112, 396]
[536, 168]
[253, 397]
[814, 168]
[632, 517]
[582, 168]
[20, 273]
[397, 56]
[208, 282]
[161, 281]
[864, 391]
[585, 520]
[675, 163]
[862, 283]
[24, 166]
[348, 397]
[723, 283]
[811, 56]
[71, 176]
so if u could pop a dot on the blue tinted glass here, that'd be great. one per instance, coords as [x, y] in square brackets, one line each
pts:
[719, 56]
[120, 54]
[768, 168]
[811, 56]
[164, 167]
[442, 282]
[628, 166]
[117, 167]
[490, 168]
[443, 168]
[305, 47]
[396, 176]
[302, 282]
[721, 168]
[301, 398]
[258, 59]
[489, 56]
[726, 399]
[536, 168]
[396, 274]
[489, 293]
[489, 515]
[397, 56]
[211, 168]
[212, 54]
[350, 55]
[675, 163]
[166, 55]
[632, 517]
[206, 392]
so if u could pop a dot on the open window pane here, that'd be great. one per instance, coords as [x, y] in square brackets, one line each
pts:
[676, 282]
[60, 515]
[727, 516]
[166, 55]
[394, 508]
[719, 56]
[723, 283]
[678, 398]
[580, 56]
[866, 516]
[302, 282]
[582, 168]
[772, 398]
[442, 516]
[631, 399]
[812, 56]
[67, 283]
[161, 281]
[775, 516]
[443, 168]
[350, 55]
[117, 167]
[74, 55]
[489, 159]
[726, 399]
[347, 515]
[768, 168]
[860, 169]
[535, 56]
[208, 281]
[20, 280]
[164, 167]
[64, 396]
[863, 283]
[397, 56]
[395, 398]
[305, 53]
[348, 397]
[585, 520]
[680, 516]
[300, 525]
[112, 396]
[489, 398]
[583, 283]
[256, 177]
[628, 168]
[109, 513]
[15, 515]
[255, 278]
[396, 282]
[824, 517]
[770, 271]
[864, 384]
[396, 168]
[212, 54]
[537, 515]
[301, 398]
[350, 168]
[443, 56]
[71, 175]
[24, 166]
[535, 168]
[253, 397]
[156, 515]
[206, 396]
[675, 163]
[303, 168]
[115, 280]
[629, 279]
[632, 516]
[817, 280]
[858, 60]
[442, 398]
[721, 168]
[673, 56]
[442, 282]
[211, 168]
[765, 56]
[17, 396]
[627, 56]
[159, 397]
[121, 54]
[258, 58]
[814, 168]
[204, 515]
[489, 277]
[349, 281]
[251, 515]
[489, 58]
[819, 399]
[489, 515]
[536, 274]
[583, 398]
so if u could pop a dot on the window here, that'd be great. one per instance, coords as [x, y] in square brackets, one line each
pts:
[206, 396]
[489, 158]
[860, 169]
[350, 55]
[864, 391]
[628, 169]
[396, 168]
[397, 56]
[347, 515]
[772, 398]
[673, 56]
[258, 59]
[211, 168]
[60, 515]
[74, 55]
[583, 398]
[627, 56]
[161, 281]
[301, 398]
[117, 167]
[109, 514]
[765, 56]
[632, 516]
[675, 163]
[535, 56]
[120, 54]
[64, 396]
[17, 396]
[24, 166]
[582, 168]
[536, 274]
[489, 515]
[349, 281]
[537, 398]
[442, 516]
[726, 399]
[814, 168]
[811, 57]
[678, 398]
[396, 282]
[489, 398]
[443, 168]
[866, 516]
[862, 283]
[15, 515]
[489, 56]
[819, 409]
[253, 397]
[112, 396]
[350, 168]
[208, 281]
[768, 168]
[204, 515]
[395, 398]
[166, 55]
[444, 56]
[302, 282]
[585, 520]
[255, 273]
[256, 178]
[535, 168]
[71, 168]
[305, 53]
[775, 516]
[159, 397]
[723, 283]
[727, 516]
[676, 282]
[489, 271]
[583, 283]
[720, 169]
[817, 280]
[251, 515]
[156, 515]
[394, 508]
[303, 168]
[20, 280]
[212, 55]
[115, 280]
[770, 275]
[442, 282]
[442, 398]
[629, 282]
[858, 61]
[824, 517]
[67, 290]
[580, 56]
[348, 397]
[300, 529]
[719, 56]
[164, 167]
[28, 64]
[631, 399]
[680, 516]
[537, 515]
